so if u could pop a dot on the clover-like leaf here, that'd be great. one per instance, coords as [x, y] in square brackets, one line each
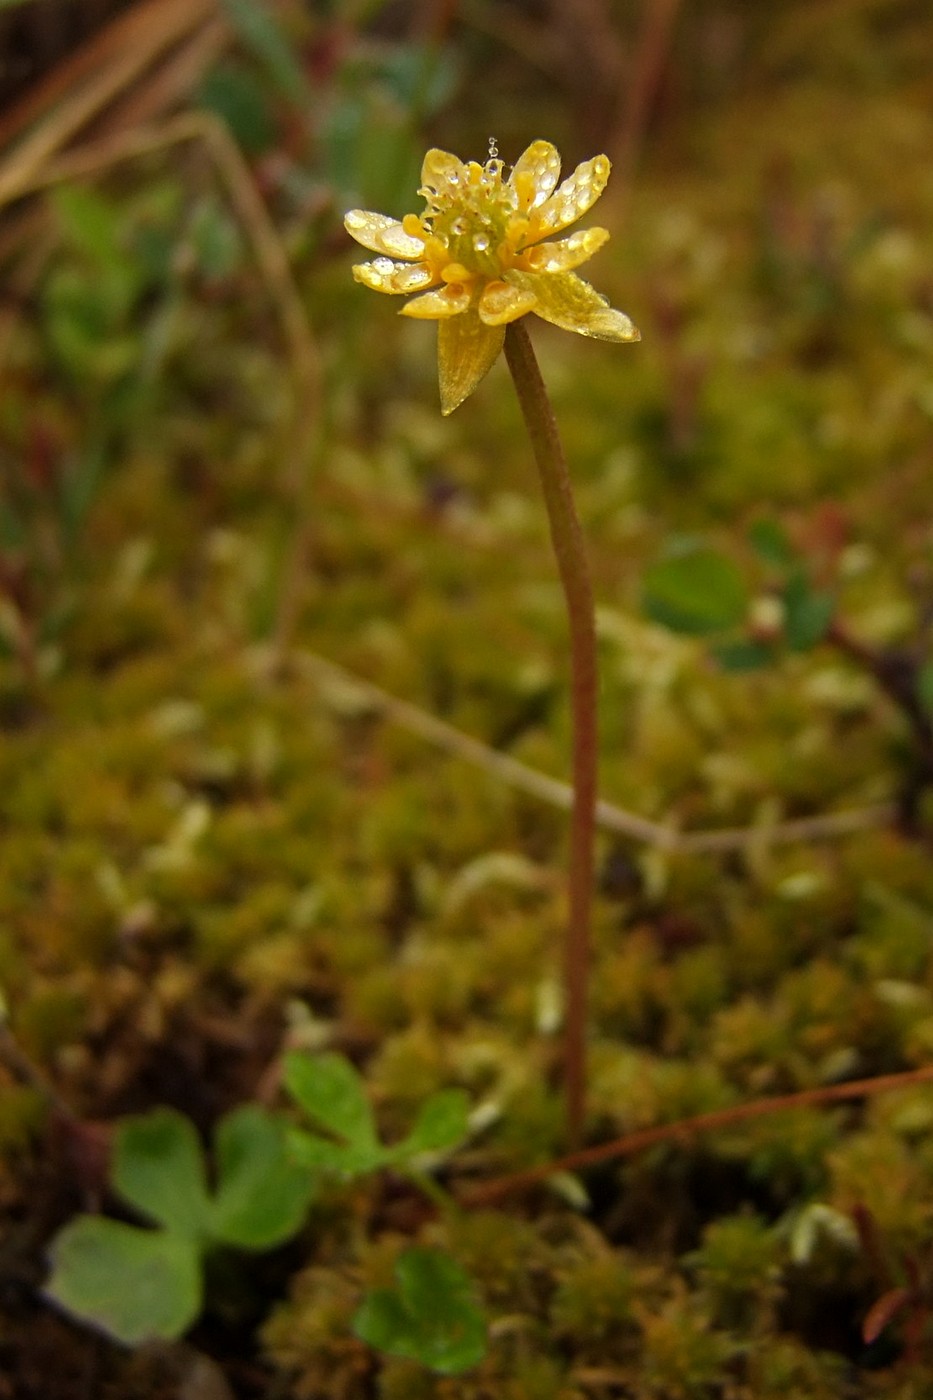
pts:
[158, 1167]
[333, 1095]
[431, 1317]
[442, 1123]
[262, 1191]
[135, 1285]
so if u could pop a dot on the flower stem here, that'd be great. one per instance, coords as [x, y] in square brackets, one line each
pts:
[570, 550]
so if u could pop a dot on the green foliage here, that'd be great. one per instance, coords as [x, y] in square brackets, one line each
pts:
[429, 1317]
[137, 1284]
[333, 1095]
[808, 612]
[232, 92]
[264, 37]
[371, 144]
[695, 590]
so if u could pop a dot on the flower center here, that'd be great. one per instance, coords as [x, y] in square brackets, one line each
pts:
[468, 219]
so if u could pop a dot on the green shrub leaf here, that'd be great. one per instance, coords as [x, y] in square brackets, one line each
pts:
[430, 1317]
[695, 591]
[135, 1285]
[769, 540]
[807, 613]
[744, 655]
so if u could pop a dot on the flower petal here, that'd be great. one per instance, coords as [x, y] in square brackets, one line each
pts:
[578, 193]
[466, 351]
[384, 275]
[438, 306]
[440, 169]
[567, 301]
[382, 234]
[501, 303]
[535, 174]
[566, 252]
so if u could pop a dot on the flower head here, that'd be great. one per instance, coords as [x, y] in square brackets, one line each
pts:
[482, 254]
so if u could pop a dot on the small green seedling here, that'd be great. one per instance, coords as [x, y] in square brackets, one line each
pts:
[140, 1284]
[333, 1095]
[430, 1317]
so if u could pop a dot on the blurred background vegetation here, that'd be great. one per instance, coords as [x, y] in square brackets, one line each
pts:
[223, 469]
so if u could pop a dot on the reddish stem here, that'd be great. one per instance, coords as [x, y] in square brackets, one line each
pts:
[686, 1128]
[570, 550]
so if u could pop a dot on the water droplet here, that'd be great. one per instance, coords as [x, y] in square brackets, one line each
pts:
[481, 242]
[458, 226]
[493, 149]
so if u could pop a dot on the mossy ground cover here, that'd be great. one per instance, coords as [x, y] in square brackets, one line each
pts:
[207, 858]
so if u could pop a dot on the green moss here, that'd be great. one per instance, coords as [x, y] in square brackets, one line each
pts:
[683, 1354]
[737, 1266]
[592, 1308]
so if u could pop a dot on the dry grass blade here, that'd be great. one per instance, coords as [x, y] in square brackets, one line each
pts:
[60, 115]
[559, 794]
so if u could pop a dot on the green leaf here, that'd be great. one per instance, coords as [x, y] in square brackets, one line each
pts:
[234, 94]
[317, 1154]
[769, 540]
[430, 1317]
[744, 655]
[158, 1167]
[695, 591]
[422, 77]
[807, 613]
[262, 1191]
[90, 224]
[442, 1123]
[258, 30]
[136, 1285]
[333, 1095]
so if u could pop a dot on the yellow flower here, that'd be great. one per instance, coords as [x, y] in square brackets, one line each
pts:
[481, 255]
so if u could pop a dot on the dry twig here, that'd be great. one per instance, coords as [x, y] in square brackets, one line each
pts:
[559, 794]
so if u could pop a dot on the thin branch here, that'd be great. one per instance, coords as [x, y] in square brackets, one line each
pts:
[686, 1128]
